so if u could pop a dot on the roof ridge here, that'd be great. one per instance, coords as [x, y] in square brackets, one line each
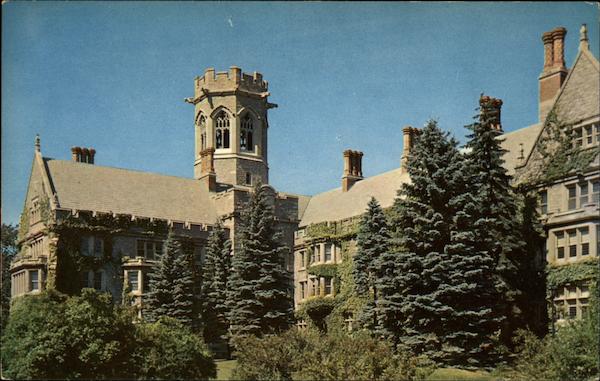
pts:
[120, 169]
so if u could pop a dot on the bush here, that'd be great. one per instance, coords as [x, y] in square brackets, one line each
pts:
[301, 355]
[571, 354]
[168, 350]
[52, 336]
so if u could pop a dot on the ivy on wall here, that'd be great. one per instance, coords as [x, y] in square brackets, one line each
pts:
[557, 276]
[329, 270]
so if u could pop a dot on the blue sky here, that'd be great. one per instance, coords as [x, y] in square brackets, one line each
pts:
[113, 76]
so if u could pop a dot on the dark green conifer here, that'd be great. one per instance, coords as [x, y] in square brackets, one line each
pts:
[215, 274]
[259, 297]
[171, 285]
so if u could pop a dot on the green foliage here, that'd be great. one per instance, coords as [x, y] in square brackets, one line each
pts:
[306, 355]
[334, 231]
[172, 285]
[259, 297]
[215, 273]
[50, 336]
[317, 308]
[557, 276]
[168, 350]
[9, 251]
[53, 336]
[559, 155]
[329, 270]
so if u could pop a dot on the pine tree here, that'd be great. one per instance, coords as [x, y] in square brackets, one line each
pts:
[215, 271]
[259, 297]
[374, 272]
[422, 219]
[171, 285]
[496, 210]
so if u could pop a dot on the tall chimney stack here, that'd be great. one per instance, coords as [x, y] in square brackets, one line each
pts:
[352, 169]
[490, 109]
[554, 72]
[207, 169]
[409, 134]
[83, 155]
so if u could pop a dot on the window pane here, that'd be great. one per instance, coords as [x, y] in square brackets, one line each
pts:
[561, 252]
[132, 277]
[97, 246]
[327, 252]
[596, 192]
[573, 251]
[140, 248]
[327, 286]
[33, 280]
[98, 280]
[583, 194]
[585, 249]
[572, 312]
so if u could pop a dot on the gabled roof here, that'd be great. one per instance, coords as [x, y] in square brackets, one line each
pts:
[92, 187]
[515, 141]
[337, 205]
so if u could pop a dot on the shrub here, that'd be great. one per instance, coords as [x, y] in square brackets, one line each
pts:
[571, 354]
[168, 350]
[301, 355]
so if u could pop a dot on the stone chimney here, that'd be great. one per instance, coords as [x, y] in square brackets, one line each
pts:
[554, 72]
[409, 135]
[207, 169]
[584, 43]
[83, 155]
[490, 109]
[352, 169]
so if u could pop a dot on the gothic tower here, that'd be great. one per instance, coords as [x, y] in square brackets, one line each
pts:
[231, 126]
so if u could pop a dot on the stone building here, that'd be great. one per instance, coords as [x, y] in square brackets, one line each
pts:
[569, 204]
[126, 213]
[117, 219]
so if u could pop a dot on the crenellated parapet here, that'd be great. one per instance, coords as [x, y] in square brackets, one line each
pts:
[232, 80]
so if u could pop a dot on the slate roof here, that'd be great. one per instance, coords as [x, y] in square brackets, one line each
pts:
[336, 204]
[105, 189]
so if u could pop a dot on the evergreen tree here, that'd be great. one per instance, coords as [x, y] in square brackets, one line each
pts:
[9, 250]
[496, 210]
[259, 297]
[422, 219]
[171, 285]
[215, 271]
[374, 272]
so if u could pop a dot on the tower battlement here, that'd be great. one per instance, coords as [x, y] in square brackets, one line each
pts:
[230, 80]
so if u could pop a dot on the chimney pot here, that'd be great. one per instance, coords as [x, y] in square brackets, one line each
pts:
[352, 169]
[408, 137]
[558, 35]
[76, 154]
[491, 108]
[91, 157]
[554, 72]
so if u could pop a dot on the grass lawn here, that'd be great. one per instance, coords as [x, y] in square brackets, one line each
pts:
[460, 374]
[224, 369]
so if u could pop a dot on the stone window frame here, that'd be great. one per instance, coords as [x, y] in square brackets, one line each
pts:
[37, 281]
[586, 135]
[142, 246]
[571, 301]
[579, 237]
[543, 194]
[201, 123]
[35, 211]
[36, 247]
[247, 124]
[92, 246]
[222, 123]
[128, 276]
[582, 193]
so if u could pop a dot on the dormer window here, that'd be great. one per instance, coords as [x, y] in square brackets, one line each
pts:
[246, 132]
[222, 130]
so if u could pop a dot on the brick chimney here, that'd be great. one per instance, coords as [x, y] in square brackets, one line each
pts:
[207, 169]
[83, 155]
[409, 135]
[554, 72]
[352, 169]
[490, 108]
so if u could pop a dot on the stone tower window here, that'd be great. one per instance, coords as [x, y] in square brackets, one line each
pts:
[248, 178]
[222, 130]
[246, 133]
[202, 125]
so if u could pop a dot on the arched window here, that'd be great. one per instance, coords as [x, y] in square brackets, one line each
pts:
[202, 125]
[222, 130]
[246, 132]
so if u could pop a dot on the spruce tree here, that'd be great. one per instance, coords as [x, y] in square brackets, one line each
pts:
[259, 297]
[374, 272]
[422, 219]
[171, 285]
[215, 272]
[496, 210]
